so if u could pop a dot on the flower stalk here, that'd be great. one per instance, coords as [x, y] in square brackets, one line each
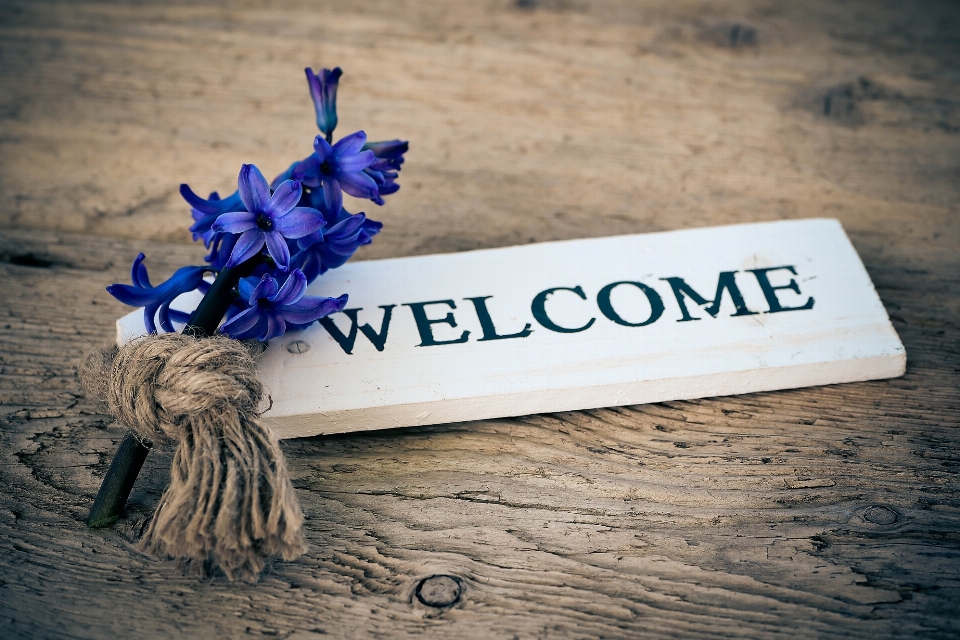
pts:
[267, 242]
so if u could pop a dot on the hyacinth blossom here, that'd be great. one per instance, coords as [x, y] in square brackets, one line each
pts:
[268, 219]
[323, 90]
[272, 306]
[339, 168]
[206, 212]
[156, 300]
[385, 168]
[337, 242]
[278, 236]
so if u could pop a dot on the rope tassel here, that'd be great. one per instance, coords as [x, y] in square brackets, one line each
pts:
[230, 503]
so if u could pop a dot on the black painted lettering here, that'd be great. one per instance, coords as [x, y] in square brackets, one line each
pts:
[486, 322]
[726, 282]
[347, 341]
[424, 323]
[770, 291]
[538, 307]
[606, 308]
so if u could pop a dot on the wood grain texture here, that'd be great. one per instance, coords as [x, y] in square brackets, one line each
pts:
[832, 511]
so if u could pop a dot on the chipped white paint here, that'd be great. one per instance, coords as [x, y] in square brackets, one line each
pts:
[844, 335]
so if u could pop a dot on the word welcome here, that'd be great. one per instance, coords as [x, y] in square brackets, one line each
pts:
[428, 314]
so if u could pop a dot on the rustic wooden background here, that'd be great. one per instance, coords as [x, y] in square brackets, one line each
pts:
[821, 512]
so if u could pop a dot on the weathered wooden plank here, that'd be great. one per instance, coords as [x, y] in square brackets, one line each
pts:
[831, 505]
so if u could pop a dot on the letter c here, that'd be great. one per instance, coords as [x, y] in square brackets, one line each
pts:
[540, 312]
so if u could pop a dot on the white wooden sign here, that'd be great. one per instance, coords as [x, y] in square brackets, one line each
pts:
[580, 324]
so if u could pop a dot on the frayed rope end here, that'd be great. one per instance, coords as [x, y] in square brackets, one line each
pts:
[230, 504]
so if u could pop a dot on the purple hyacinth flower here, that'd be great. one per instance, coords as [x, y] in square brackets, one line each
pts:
[383, 170]
[156, 300]
[389, 154]
[272, 307]
[323, 90]
[268, 219]
[339, 168]
[206, 212]
[340, 240]
[386, 183]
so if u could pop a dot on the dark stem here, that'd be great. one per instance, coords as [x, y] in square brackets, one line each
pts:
[129, 458]
[118, 482]
[206, 317]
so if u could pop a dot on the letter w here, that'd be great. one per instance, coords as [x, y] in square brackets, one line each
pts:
[726, 282]
[347, 341]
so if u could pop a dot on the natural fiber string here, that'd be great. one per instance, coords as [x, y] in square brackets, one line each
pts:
[230, 503]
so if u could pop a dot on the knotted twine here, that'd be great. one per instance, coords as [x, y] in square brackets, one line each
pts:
[230, 503]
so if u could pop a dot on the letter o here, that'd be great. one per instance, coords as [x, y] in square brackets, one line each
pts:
[656, 304]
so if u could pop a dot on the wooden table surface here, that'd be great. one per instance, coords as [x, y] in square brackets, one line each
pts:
[831, 511]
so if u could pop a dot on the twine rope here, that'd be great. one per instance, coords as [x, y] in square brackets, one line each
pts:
[230, 503]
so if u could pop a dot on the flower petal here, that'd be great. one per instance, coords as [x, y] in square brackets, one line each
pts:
[164, 316]
[308, 261]
[248, 245]
[389, 149]
[254, 190]
[359, 185]
[138, 272]
[316, 88]
[278, 250]
[275, 326]
[266, 288]
[235, 222]
[221, 246]
[322, 148]
[213, 204]
[179, 316]
[148, 315]
[292, 290]
[244, 324]
[183, 280]
[332, 196]
[310, 239]
[299, 222]
[284, 198]
[347, 226]
[350, 145]
[355, 162]
[310, 308]
[245, 288]
[307, 171]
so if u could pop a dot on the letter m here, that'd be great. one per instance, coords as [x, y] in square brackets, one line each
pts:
[726, 282]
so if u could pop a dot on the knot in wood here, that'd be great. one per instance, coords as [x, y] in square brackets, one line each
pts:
[878, 514]
[439, 591]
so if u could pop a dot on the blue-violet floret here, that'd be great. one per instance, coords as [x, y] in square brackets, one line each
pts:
[323, 90]
[206, 212]
[156, 300]
[340, 240]
[269, 219]
[273, 306]
[339, 168]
